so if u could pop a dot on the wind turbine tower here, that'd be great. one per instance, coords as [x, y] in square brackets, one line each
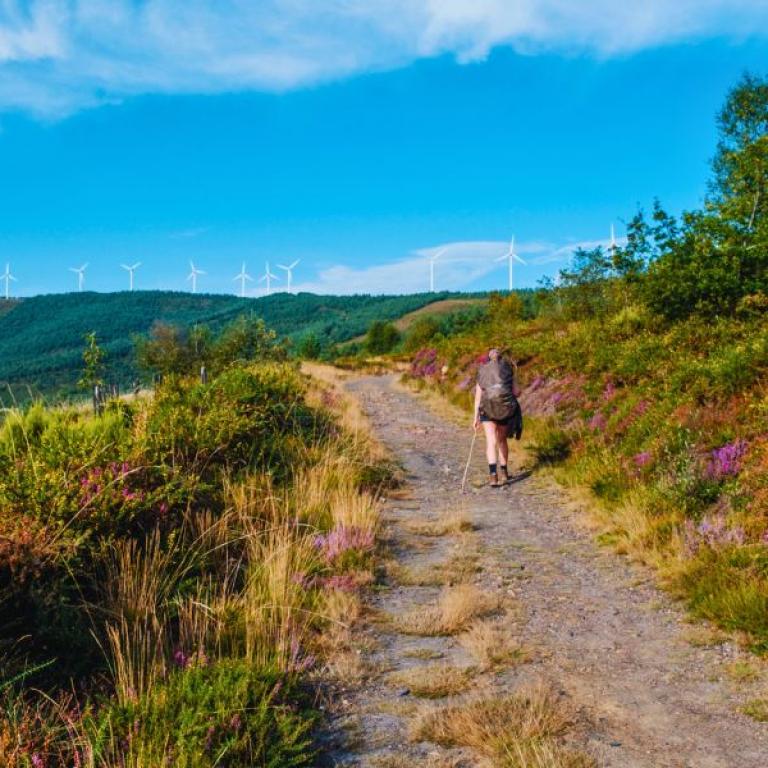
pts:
[242, 277]
[80, 272]
[8, 277]
[193, 276]
[613, 244]
[268, 277]
[289, 273]
[130, 270]
[511, 257]
[432, 259]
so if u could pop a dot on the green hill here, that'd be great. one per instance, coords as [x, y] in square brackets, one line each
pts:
[41, 338]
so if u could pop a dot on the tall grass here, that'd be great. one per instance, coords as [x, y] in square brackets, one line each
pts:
[212, 596]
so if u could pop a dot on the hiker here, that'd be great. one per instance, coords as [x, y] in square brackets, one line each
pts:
[497, 409]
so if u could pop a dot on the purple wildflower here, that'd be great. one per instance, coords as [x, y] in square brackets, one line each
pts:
[642, 459]
[610, 391]
[235, 723]
[465, 383]
[711, 532]
[180, 659]
[726, 461]
[37, 761]
[598, 422]
[343, 538]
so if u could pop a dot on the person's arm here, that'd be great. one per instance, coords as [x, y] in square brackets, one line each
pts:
[478, 395]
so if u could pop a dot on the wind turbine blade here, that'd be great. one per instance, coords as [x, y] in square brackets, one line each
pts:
[200, 272]
[136, 265]
[504, 257]
[126, 267]
[84, 267]
[282, 266]
[295, 264]
[11, 277]
[74, 269]
[262, 278]
[517, 258]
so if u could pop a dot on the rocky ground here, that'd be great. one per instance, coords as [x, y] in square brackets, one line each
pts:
[647, 689]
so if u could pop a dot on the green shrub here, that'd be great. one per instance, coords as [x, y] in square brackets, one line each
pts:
[552, 447]
[226, 713]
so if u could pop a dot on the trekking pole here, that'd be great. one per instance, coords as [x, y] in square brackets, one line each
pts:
[469, 460]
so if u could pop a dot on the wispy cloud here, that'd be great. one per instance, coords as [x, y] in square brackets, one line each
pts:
[57, 56]
[460, 266]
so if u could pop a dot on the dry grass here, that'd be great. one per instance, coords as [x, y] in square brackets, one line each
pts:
[425, 654]
[407, 761]
[407, 576]
[742, 672]
[453, 522]
[433, 681]
[455, 609]
[492, 644]
[524, 730]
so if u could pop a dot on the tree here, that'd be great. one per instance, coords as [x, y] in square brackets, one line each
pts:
[720, 254]
[421, 332]
[309, 347]
[93, 363]
[247, 338]
[382, 337]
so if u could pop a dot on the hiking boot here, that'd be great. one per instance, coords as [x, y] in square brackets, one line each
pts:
[504, 475]
[493, 480]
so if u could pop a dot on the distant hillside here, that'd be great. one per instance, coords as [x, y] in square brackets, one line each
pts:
[41, 338]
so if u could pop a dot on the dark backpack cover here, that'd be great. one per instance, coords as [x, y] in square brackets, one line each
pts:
[498, 401]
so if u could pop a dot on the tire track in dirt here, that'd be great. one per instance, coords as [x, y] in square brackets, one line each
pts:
[594, 624]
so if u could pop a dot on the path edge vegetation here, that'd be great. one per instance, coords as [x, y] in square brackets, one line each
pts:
[180, 572]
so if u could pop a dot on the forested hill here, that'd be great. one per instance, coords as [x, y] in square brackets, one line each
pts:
[41, 338]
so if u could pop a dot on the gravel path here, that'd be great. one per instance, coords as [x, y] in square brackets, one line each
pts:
[594, 625]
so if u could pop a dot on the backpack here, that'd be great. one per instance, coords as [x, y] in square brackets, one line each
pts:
[498, 401]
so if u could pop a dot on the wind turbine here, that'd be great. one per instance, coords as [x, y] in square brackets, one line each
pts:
[242, 277]
[7, 276]
[511, 257]
[193, 276]
[269, 277]
[613, 244]
[80, 272]
[432, 259]
[130, 270]
[289, 273]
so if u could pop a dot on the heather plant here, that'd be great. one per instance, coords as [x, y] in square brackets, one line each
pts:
[161, 554]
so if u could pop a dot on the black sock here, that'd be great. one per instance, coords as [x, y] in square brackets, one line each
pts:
[492, 469]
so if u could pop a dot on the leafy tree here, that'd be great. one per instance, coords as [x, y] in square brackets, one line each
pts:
[247, 338]
[382, 337]
[309, 347]
[93, 363]
[421, 332]
[584, 285]
[720, 254]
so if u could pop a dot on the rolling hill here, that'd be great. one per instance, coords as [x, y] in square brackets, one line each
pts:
[41, 338]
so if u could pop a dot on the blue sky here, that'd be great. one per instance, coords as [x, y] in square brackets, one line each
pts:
[357, 137]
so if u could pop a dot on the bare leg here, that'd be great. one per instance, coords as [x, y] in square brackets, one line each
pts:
[490, 441]
[503, 445]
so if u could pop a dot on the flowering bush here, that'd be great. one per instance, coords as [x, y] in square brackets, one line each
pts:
[425, 364]
[725, 462]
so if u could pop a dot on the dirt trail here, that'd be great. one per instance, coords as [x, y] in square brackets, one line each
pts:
[595, 625]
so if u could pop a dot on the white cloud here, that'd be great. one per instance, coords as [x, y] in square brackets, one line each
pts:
[460, 266]
[57, 56]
